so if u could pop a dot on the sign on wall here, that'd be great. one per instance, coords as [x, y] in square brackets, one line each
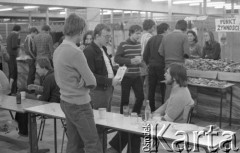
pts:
[227, 25]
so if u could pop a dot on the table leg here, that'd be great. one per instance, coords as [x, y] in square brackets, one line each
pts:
[120, 142]
[230, 120]
[33, 142]
[55, 134]
[220, 118]
[32, 133]
[129, 143]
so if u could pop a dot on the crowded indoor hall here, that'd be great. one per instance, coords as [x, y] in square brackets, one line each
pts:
[119, 76]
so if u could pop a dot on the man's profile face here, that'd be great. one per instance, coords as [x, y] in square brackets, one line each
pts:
[105, 37]
[40, 70]
[168, 77]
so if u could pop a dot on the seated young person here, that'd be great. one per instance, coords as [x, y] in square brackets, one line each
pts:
[50, 91]
[172, 110]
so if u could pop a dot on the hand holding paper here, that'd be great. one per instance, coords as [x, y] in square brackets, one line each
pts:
[121, 72]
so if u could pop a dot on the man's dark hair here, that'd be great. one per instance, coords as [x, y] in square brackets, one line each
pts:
[46, 28]
[148, 24]
[98, 29]
[161, 28]
[44, 62]
[33, 30]
[134, 28]
[179, 73]
[194, 35]
[16, 27]
[181, 25]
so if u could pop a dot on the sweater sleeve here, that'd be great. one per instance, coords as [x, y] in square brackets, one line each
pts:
[161, 110]
[119, 56]
[174, 108]
[82, 67]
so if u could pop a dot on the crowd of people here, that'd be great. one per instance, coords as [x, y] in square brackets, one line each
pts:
[82, 78]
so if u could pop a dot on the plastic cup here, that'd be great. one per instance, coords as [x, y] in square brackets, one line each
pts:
[23, 95]
[126, 110]
[134, 118]
[102, 113]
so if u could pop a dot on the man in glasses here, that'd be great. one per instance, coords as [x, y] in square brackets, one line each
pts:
[100, 64]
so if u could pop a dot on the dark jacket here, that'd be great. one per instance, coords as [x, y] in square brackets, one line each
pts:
[13, 43]
[212, 51]
[151, 55]
[51, 91]
[97, 64]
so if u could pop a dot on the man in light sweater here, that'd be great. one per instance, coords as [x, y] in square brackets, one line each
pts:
[173, 109]
[75, 80]
[175, 48]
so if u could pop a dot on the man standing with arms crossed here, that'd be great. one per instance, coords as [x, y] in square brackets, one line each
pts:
[75, 80]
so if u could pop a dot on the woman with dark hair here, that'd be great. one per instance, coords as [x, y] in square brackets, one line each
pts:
[211, 48]
[194, 47]
[87, 39]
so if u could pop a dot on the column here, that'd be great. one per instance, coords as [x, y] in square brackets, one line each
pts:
[204, 7]
[170, 10]
[92, 17]
[47, 17]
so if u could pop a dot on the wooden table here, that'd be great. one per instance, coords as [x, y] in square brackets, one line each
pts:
[9, 103]
[222, 91]
[119, 123]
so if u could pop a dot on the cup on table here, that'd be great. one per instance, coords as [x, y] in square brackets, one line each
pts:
[102, 113]
[23, 95]
[126, 110]
[134, 118]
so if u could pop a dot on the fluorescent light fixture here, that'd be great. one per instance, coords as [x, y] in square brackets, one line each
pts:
[142, 12]
[106, 12]
[117, 11]
[187, 1]
[55, 8]
[159, 0]
[194, 4]
[30, 7]
[6, 9]
[63, 12]
[134, 11]
[127, 12]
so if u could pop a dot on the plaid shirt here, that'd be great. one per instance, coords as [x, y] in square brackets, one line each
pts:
[44, 45]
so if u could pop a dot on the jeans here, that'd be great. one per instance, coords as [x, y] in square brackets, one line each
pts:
[32, 71]
[81, 129]
[137, 85]
[22, 119]
[135, 142]
[155, 75]
[13, 73]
